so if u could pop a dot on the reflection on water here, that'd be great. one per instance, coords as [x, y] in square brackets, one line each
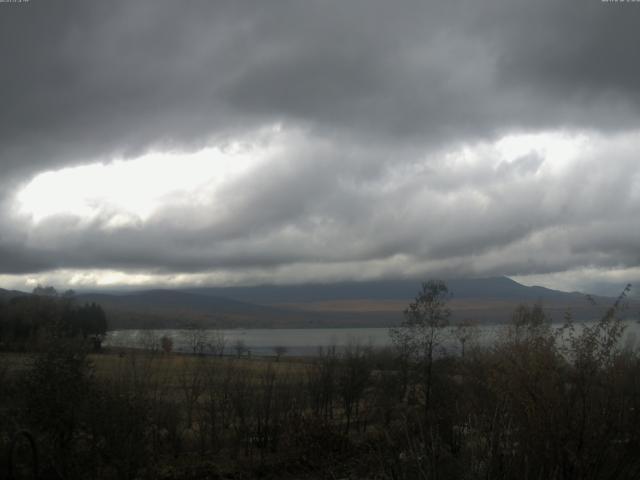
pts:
[299, 341]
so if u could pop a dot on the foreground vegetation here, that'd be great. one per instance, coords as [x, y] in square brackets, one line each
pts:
[539, 404]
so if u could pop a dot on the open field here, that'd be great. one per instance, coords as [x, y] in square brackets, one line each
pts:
[118, 363]
[110, 366]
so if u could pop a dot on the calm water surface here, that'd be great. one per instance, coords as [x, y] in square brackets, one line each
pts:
[301, 341]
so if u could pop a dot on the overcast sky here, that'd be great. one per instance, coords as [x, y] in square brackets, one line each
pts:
[153, 142]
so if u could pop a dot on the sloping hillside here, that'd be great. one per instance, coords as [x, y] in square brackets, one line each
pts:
[349, 304]
[502, 288]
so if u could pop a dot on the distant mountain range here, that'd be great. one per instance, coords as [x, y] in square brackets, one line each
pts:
[482, 288]
[345, 304]
[8, 294]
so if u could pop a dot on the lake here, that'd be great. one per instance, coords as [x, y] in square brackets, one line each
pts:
[300, 341]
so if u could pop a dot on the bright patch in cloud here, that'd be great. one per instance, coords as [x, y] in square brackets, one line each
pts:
[557, 147]
[131, 191]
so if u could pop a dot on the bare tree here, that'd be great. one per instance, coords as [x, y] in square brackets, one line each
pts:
[353, 379]
[191, 379]
[465, 331]
[421, 331]
[321, 383]
[217, 343]
[240, 347]
[195, 337]
[166, 343]
[149, 341]
[279, 350]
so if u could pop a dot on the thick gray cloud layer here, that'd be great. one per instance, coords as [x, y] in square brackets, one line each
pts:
[377, 94]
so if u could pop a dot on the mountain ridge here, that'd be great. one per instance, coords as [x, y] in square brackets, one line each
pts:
[489, 287]
[343, 304]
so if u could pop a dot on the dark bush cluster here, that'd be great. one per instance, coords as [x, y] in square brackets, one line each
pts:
[540, 403]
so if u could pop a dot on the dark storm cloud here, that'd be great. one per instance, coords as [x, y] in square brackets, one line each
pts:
[379, 90]
[17, 259]
[90, 79]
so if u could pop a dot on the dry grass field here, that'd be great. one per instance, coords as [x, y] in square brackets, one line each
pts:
[117, 364]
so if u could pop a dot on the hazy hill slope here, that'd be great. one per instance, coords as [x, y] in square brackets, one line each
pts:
[482, 288]
[487, 300]
[9, 294]
[347, 304]
[174, 299]
[173, 308]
